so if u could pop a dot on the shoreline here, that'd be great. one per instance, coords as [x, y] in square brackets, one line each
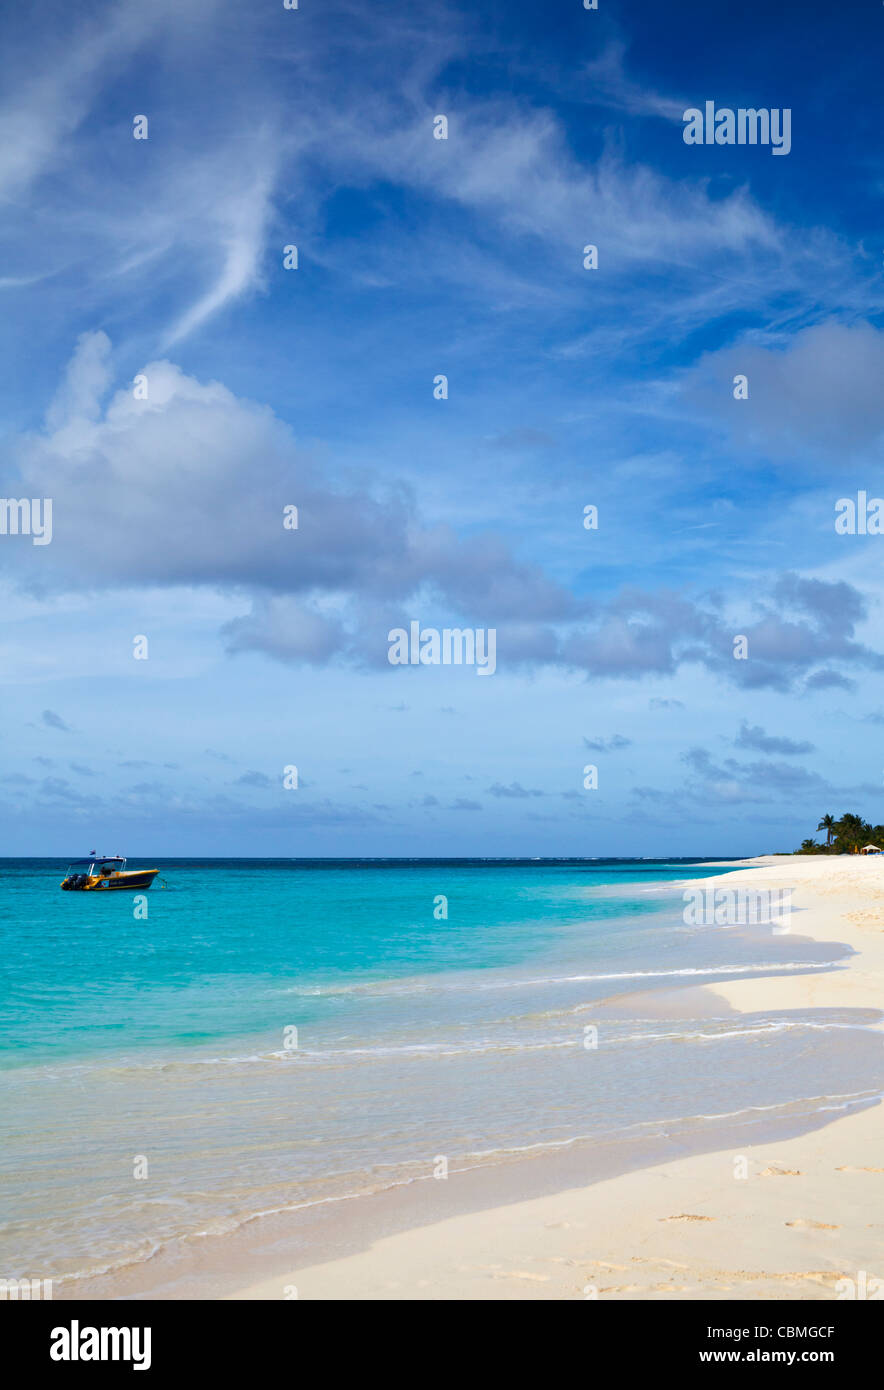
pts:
[557, 1221]
[684, 1227]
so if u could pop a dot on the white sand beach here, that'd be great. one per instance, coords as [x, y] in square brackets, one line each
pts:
[793, 1219]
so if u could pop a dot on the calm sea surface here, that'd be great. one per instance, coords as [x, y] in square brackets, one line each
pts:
[279, 1032]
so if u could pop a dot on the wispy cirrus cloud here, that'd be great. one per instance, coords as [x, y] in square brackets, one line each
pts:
[605, 82]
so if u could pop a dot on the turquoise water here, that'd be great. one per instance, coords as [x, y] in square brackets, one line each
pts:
[226, 939]
[276, 1033]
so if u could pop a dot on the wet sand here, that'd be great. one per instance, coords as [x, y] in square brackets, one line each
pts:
[792, 1217]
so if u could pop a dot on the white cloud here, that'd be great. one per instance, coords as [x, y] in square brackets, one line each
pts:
[607, 84]
[817, 393]
[86, 382]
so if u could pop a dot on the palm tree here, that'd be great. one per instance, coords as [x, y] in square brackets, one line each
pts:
[850, 830]
[809, 847]
[828, 824]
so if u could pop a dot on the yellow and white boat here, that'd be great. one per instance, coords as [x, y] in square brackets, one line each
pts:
[96, 873]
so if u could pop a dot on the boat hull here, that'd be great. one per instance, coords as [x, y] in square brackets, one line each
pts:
[138, 878]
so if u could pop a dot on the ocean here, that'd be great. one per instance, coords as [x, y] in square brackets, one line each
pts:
[276, 1034]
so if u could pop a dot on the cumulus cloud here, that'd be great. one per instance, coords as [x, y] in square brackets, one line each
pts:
[190, 486]
[828, 680]
[798, 625]
[289, 629]
[54, 721]
[59, 789]
[735, 782]
[754, 736]
[515, 789]
[253, 779]
[84, 385]
[763, 780]
[816, 394]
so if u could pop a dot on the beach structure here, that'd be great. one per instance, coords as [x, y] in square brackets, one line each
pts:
[871, 849]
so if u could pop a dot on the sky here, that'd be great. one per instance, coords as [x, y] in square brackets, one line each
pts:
[699, 673]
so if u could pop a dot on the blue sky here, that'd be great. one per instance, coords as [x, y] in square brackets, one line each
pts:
[163, 259]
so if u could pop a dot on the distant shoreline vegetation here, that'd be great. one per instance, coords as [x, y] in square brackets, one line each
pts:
[849, 835]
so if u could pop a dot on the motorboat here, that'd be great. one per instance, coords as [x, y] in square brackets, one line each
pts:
[99, 873]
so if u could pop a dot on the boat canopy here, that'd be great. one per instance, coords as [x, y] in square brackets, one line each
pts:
[101, 859]
[99, 864]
